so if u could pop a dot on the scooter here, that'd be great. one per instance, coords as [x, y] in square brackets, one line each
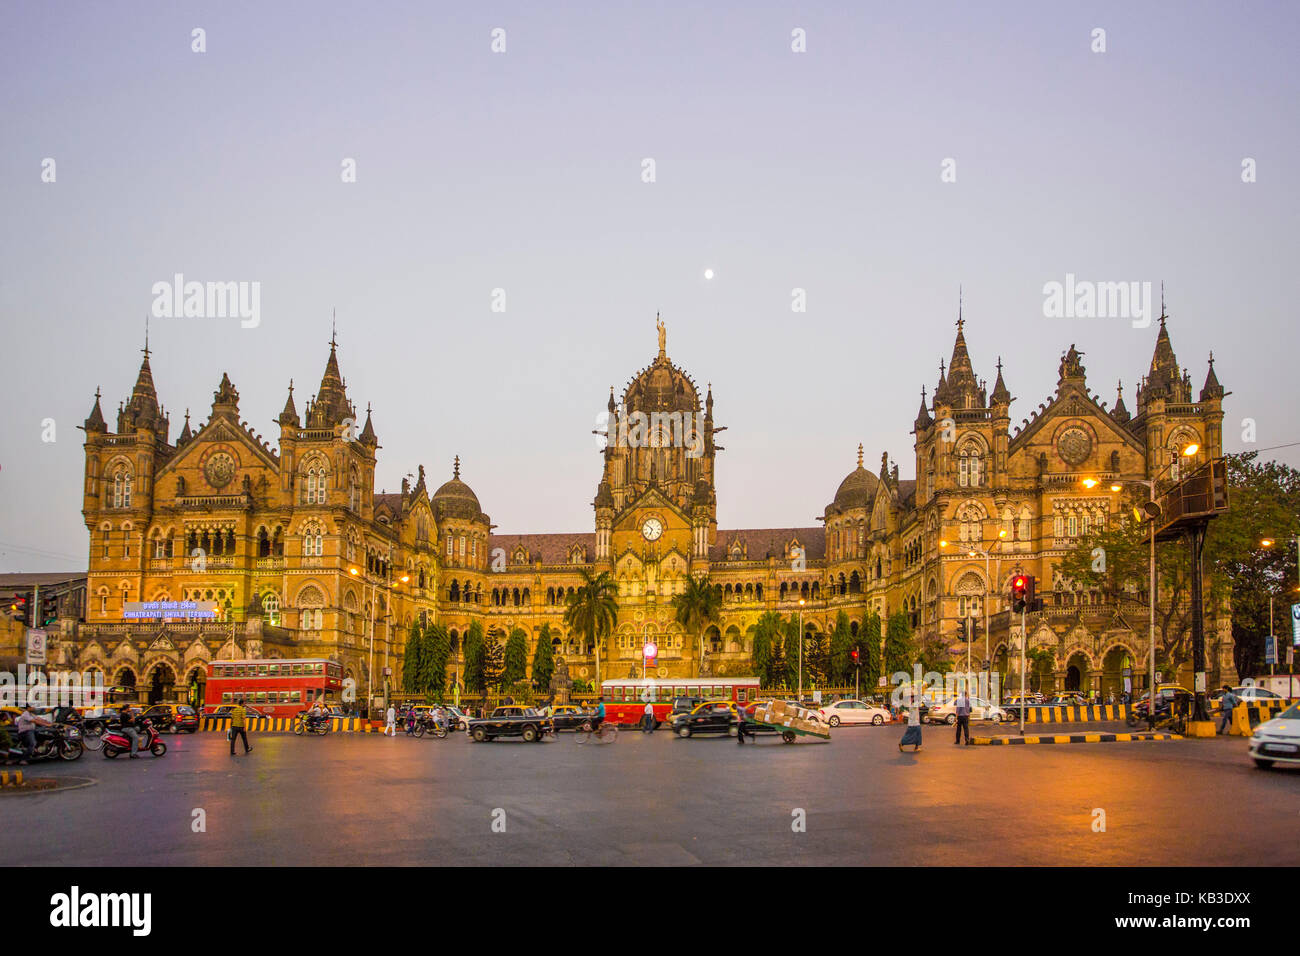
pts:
[115, 742]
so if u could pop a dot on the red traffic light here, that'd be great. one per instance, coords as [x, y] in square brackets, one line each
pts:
[854, 655]
[1019, 583]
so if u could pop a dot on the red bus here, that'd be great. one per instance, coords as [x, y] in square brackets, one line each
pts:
[625, 700]
[276, 687]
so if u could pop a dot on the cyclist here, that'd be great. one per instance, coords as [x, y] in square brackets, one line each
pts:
[599, 719]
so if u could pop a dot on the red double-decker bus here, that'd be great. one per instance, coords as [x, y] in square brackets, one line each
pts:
[275, 688]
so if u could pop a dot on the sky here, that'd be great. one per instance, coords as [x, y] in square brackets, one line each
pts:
[908, 151]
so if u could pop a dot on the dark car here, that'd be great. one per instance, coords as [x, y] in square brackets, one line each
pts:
[224, 711]
[714, 717]
[683, 705]
[511, 721]
[177, 718]
[570, 717]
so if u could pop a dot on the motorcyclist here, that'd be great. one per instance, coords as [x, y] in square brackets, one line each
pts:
[26, 724]
[440, 717]
[130, 729]
[317, 711]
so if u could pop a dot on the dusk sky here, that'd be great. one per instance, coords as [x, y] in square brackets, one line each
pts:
[522, 171]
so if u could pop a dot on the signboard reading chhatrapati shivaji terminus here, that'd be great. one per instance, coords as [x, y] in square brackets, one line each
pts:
[296, 555]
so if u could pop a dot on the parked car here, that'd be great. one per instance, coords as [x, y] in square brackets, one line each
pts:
[853, 712]
[1250, 693]
[178, 718]
[1277, 740]
[511, 721]
[710, 717]
[223, 710]
[946, 713]
[570, 717]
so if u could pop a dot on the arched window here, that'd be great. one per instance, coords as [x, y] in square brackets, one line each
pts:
[271, 606]
[122, 485]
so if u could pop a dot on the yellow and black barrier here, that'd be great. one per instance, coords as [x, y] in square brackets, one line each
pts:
[1073, 714]
[1097, 738]
[1247, 716]
[283, 725]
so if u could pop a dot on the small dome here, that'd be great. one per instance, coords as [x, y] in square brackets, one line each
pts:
[456, 499]
[857, 490]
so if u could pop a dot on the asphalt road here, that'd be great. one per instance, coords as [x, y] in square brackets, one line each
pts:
[366, 799]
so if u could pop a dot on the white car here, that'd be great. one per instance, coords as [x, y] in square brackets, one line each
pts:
[1277, 740]
[946, 713]
[853, 712]
[1253, 692]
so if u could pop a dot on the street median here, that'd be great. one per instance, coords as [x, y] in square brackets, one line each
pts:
[1095, 738]
[284, 725]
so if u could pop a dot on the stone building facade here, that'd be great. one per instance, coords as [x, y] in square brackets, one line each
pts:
[305, 559]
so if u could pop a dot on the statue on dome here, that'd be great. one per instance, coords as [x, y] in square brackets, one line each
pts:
[663, 334]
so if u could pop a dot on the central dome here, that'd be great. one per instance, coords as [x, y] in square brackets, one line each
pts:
[858, 489]
[456, 499]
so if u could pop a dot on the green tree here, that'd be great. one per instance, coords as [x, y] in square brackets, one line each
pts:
[413, 660]
[516, 663]
[698, 606]
[592, 610]
[898, 644]
[1239, 574]
[817, 659]
[474, 678]
[437, 651]
[839, 665]
[933, 653]
[767, 655]
[543, 660]
[790, 652]
[869, 649]
[494, 663]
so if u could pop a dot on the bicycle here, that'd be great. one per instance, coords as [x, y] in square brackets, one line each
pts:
[607, 732]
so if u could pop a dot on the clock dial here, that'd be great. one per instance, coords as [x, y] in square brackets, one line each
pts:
[652, 529]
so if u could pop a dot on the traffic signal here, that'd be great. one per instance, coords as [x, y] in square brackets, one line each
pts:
[18, 603]
[1019, 588]
[1022, 594]
[49, 609]
[853, 656]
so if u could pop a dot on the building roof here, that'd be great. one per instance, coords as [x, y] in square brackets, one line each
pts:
[547, 548]
[27, 579]
[759, 542]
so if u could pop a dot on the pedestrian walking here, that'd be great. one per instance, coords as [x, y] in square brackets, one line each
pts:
[912, 735]
[390, 728]
[648, 719]
[740, 725]
[963, 717]
[238, 717]
[1227, 703]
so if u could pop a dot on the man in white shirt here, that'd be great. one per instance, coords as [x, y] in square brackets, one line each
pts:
[648, 720]
[391, 717]
[26, 725]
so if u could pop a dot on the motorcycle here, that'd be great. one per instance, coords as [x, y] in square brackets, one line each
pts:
[115, 742]
[307, 723]
[61, 741]
[426, 723]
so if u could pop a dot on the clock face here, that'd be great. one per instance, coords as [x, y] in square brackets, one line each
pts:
[652, 529]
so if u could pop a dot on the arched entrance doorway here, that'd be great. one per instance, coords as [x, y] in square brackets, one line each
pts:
[125, 684]
[1117, 660]
[1076, 672]
[162, 684]
[195, 686]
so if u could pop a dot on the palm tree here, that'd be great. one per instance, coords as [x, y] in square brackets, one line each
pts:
[593, 611]
[698, 606]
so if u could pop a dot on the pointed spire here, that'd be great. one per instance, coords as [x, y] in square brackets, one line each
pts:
[95, 421]
[1001, 394]
[185, 434]
[1120, 412]
[611, 406]
[368, 432]
[289, 416]
[455, 468]
[962, 387]
[923, 419]
[941, 390]
[708, 402]
[331, 405]
[1212, 389]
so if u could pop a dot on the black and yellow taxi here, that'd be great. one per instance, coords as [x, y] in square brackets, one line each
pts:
[710, 717]
[177, 718]
[571, 717]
